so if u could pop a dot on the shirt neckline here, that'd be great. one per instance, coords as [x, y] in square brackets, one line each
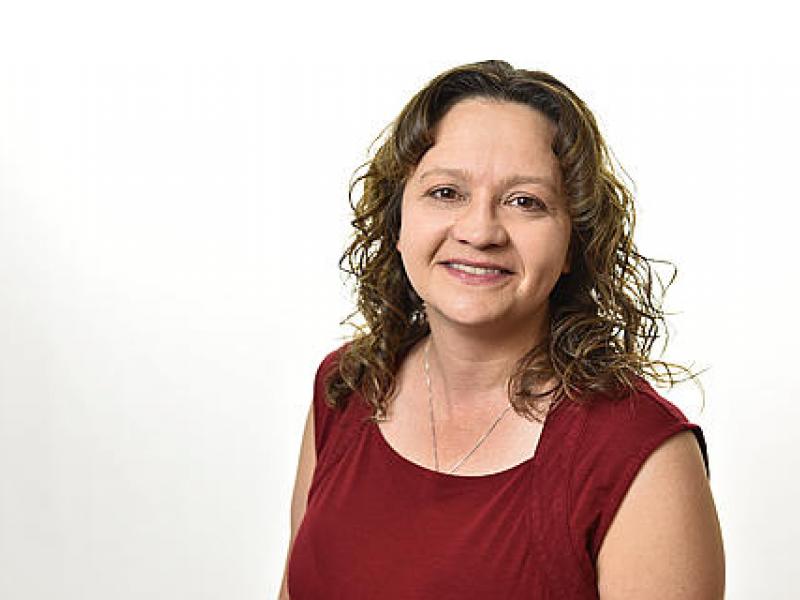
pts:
[544, 436]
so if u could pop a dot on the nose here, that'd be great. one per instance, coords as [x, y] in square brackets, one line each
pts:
[478, 223]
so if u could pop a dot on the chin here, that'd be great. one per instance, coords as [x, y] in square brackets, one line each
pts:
[472, 316]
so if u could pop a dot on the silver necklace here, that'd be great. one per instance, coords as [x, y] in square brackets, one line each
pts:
[433, 426]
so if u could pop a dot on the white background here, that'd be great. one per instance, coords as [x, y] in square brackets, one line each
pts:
[173, 204]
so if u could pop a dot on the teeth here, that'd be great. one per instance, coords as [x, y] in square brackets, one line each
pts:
[475, 270]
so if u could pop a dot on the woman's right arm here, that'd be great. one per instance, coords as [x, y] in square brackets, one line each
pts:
[305, 471]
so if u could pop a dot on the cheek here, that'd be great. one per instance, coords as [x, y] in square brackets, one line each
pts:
[548, 259]
[406, 241]
[415, 238]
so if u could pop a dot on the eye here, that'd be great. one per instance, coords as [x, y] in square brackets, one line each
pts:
[534, 203]
[453, 194]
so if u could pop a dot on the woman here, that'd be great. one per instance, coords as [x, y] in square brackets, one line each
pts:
[490, 433]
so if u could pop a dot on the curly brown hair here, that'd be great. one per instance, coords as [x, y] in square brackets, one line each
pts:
[606, 313]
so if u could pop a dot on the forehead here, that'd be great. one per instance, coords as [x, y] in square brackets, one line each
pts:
[493, 137]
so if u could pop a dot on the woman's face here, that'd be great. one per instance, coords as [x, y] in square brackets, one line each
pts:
[488, 191]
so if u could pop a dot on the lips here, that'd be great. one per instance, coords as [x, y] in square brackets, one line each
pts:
[475, 263]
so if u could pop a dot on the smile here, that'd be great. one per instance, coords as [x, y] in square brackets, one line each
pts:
[476, 275]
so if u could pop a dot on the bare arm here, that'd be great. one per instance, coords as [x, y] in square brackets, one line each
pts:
[665, 541]
[305, 471]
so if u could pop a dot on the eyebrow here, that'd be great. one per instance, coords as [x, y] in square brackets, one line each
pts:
[508, 181]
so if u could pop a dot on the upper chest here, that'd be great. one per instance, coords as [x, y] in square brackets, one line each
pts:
[415, 426]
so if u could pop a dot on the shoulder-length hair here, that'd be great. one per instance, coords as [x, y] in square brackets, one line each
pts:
[605, 314]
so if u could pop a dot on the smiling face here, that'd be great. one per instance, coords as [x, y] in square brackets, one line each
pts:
[488, 191]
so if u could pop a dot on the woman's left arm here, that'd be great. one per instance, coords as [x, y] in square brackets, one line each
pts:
[665, 540]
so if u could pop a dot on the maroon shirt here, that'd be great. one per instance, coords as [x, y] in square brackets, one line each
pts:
[378, 526]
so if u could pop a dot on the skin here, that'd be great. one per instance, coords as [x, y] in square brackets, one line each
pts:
[478, 332]
[305, 472]
[665, 540]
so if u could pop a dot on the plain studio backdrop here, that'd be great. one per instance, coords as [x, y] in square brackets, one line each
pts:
[173, 204]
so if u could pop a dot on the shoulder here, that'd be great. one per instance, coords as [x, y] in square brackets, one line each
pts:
[326, 417]
[330, 362]
[663, 539]
[618, 436]
[632, 425]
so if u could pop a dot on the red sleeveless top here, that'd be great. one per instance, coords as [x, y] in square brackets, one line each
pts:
[378, 526]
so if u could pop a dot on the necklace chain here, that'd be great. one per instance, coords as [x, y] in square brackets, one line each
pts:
[433, 426]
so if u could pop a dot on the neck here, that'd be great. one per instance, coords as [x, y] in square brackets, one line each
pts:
[469, 373]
